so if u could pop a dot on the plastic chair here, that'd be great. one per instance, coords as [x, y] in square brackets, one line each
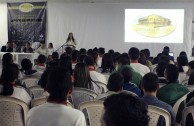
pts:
[29, 81]
[92, 111]
[155, 112]
[80, 95]
[36, 91]
[12, 111]
[178, 102]
[186, 111]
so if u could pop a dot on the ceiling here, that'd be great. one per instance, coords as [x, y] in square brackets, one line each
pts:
[99, 1]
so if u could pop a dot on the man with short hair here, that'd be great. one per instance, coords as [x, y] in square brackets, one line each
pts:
[56, 112]
[150, 86]
[172, 91]
[134, 56]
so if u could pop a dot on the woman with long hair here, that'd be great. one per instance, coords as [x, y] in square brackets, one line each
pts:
[71, 40]
[82, 78]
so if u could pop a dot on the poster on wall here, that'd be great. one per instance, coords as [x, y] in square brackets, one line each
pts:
[26, 22]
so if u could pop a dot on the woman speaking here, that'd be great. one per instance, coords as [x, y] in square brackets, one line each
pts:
[71, 41]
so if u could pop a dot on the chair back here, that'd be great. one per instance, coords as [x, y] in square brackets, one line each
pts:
[36, 91]
[92, 111]
[155, 112]
[178, 102]
[185, 112]
[29, 81]
[182, 76]
[80, 95]
[13, 111]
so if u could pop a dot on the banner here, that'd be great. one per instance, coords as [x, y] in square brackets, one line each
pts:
[26, 22]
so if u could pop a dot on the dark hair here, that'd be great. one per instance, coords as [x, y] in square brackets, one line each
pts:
[164, 58]
[55, 55]
[59, 84]
[147, 52]
[9, 74]
[82, 51]
[81, 58]
[182, 61]
[66, 63]
[75, 55]
[43, 82]
[166, 48]
[150, 82]
[191, 78]
[82, 76]
[191, 64]
[134, 53]
[183, 53]
[127, 74]
[172, 73]
[115, 82]
[95, 49]
[111, 51]
[26, 64]
[7, 58]
[142, 58]
[161, 68]
[89, 52]
[107, 63]
[51, 45]
[69, 38]
[101, 51]
[68, 50]
[89, 61]
[125, 110]
[41, 59]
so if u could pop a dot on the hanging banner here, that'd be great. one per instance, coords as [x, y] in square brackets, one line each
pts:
[26, 22]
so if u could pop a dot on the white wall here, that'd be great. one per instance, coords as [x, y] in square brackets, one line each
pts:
[102, 25]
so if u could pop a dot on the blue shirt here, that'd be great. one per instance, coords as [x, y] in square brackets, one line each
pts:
[133, 88]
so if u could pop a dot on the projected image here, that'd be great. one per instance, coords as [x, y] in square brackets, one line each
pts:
[158, 26]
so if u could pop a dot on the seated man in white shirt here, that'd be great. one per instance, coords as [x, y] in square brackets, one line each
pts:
[56, 112]
[95, 76]
[134, 56]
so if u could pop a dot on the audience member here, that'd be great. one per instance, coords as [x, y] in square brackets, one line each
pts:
[128, 85]
[101, 52]
[134, 56]
[182, 63]
[107, 63]
[150, 86]
[41, 63]
[160, 72]
[173, 91]
[68, 51]
[55, 111]
[66, 63]
[95, 76]
[8, 86]
[124, 110]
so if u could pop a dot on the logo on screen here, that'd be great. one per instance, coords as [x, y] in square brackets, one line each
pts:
[26, 7]
[154, 26]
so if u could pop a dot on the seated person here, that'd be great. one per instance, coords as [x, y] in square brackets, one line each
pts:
[173, 91]
[128, 85]
[150, 87]
[124, 110]
[56, 112]
[41, 63]
[27, 48]
[27, 69]
[7, 48]
[160, 72]
[8, 86]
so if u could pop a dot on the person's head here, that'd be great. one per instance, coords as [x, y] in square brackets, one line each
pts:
[182, 61]
[95, 49]
[161, 68]
[8, 44]
[134, 53]
[14, 45]
[164, 58]
[82, 76]
[70, 35]
[82, 51]
[107, 63]
[59, 85]
[183, 53]
[191, 67]
[111, 51]
[89, 61]
[65, 62]
[7, 58]
[171, 73]
[115, 82]
[124, 110]
[150, 83]
[26, 64]
[147, 51]
[68, 50]
[142, 58]
[50, 45]
[101, 51]
[74, 55]
[27, 45]
[95, 56]
[55, 55]
[81, 58]
[8, 77]
[123, 59]
[166, 48]
[191, 78]
[127, 74]
[41, 59]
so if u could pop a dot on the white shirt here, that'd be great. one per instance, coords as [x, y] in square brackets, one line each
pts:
[19, 93]
[42, 51]
[50, 51]
[50, 114]
[142, 69]
[95, 76]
